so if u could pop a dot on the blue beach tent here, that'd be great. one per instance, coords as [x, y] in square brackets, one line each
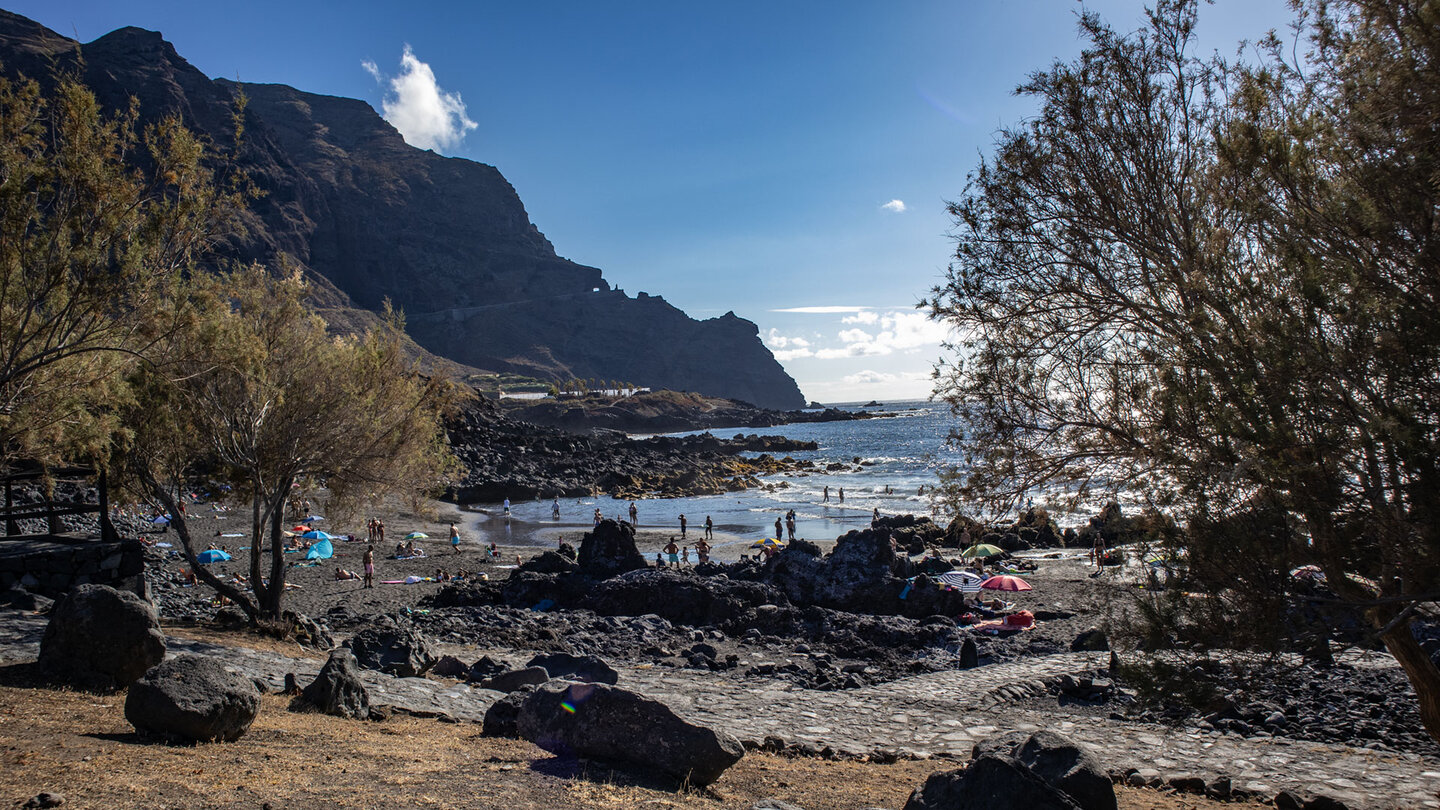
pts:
[213, 555]
[322, 550]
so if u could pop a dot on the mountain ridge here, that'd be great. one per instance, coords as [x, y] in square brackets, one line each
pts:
[446, 240]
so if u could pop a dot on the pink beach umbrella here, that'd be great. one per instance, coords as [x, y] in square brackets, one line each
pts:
[1005, 582]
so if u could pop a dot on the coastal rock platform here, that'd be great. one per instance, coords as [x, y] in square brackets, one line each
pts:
[941, 714]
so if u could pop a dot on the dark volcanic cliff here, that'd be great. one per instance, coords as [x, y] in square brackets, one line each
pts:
[447, 240]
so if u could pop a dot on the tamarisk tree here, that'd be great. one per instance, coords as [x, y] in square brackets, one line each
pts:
[1215, 284]
[258, 396]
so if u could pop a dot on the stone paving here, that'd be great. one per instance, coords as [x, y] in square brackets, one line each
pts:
[940, 713]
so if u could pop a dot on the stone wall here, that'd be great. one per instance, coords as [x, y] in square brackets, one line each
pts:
[51, 565]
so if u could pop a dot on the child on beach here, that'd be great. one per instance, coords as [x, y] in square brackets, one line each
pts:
[369, 562]
[454, 538]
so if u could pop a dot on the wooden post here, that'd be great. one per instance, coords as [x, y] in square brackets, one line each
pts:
[11, 527]
[107, 529]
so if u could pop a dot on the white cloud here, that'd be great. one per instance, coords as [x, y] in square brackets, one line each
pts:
[870, 377]
[775, 340]
[867, 318]
[897, 206]
[426, 116]
[898, 332]
[822, 310]
[791, 354]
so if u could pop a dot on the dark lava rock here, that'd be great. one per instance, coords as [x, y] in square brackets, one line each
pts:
[610, 550]
[588, 668]
[550, 562]
[1067, 766]
[969, 655]
[1092, 640]
[21, 599]
[986, 784]
[101, 638]
[337, 689]
[450, 667]
[501, 717]
[44, 799]
[610, 723]
[515, 679]
[400, 651]
[193, 698]
[679, 597]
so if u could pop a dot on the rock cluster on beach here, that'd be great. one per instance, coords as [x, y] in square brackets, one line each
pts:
[505, 458]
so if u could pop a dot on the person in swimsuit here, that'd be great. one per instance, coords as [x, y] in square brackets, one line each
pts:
[709, 529]
[369, 562]
[672, 553]
[454, 538]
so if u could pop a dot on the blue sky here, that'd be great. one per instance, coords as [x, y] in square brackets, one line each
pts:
[729, 156]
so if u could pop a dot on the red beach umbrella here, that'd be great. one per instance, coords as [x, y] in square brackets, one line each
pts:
[1005, 582]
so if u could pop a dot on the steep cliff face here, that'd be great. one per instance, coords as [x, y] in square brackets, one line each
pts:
[445, 239]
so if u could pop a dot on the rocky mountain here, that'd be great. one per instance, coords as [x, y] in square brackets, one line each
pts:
[447, 240]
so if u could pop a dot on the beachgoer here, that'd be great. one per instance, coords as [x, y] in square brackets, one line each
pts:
[659, 561]
[506, 507]
[682, 526]
[379, 530]
[634, 513]
[779, 535]
[842, 494]
[827, 494]
[702, 551]
[685, 555]
[672, 553]
[454, 538]
[790, 523]
[709, 528]
[555, 508]
[875, 518]
[369, 562]
[342, 574]
[921, 490]
[494, 551]
[598, 517]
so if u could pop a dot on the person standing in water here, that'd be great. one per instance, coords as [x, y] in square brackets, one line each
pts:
[682, 527]
[779, 535]
[709, 529]
[842, 494]
[634, 514]
[555, 508]
[826, 499]
[506, 508]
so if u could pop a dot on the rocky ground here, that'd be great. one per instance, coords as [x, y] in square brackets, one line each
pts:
[508, 458]
[662, 412]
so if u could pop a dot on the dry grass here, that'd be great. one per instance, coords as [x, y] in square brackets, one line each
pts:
[80, 745]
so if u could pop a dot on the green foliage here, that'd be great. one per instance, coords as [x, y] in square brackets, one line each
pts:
[91, 251]
[1215, 285]
[255, 394]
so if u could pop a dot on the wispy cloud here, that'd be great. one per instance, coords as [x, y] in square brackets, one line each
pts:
[425, 115]
[866, 318]
[897, 206]
[822, 310]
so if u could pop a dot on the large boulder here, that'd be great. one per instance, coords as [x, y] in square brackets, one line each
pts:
[338, 689]
[610, 723]
[588, 668]
[101, 638]
[503, 714]
[988, 783]
[1041, 770]
[859, 575]
[515, 679]
[194, 698]
[400, 651]
[609, 550]
[680, 597]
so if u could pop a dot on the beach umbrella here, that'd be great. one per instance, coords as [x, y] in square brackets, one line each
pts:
[316, 534]
[964, 580]
[1005, 582]
[211, 556]
[417, 536]
[769, 542]
[982, 550]
[311, 519]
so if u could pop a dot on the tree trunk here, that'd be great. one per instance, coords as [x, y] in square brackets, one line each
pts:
[257, 534]
[1422, 672]
[202, 573]
[275, 597]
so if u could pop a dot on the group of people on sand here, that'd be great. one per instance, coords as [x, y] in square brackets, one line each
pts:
[375, 530]
[674, 556]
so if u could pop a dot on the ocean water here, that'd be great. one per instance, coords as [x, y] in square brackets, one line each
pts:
[896, 456]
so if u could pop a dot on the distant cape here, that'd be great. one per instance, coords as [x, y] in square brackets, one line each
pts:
[446, 240]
